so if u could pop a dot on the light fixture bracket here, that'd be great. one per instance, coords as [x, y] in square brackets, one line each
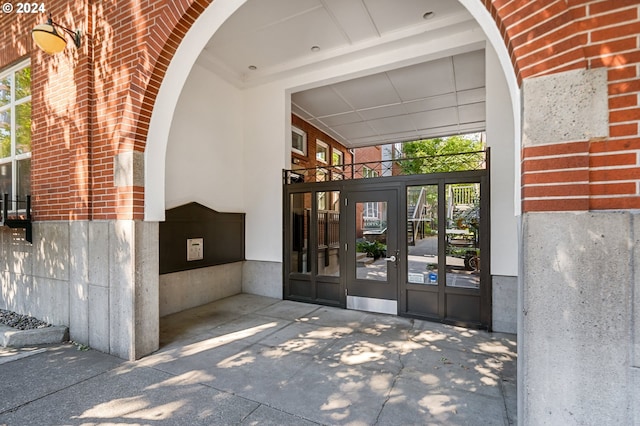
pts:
[50, 40]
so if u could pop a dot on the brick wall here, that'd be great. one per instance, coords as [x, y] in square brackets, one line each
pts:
[93, 103]
[546, 37]
[90, 104]
[309, 161]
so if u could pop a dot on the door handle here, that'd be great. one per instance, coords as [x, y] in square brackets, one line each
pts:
[393, 258]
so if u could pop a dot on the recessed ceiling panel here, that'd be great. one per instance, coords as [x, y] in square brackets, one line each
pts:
[321, 101]
[383, 111]
[368, 92]
[472, 113]
[424, 80]
[394, 15]
[353, 18]
[339, 119]
[469, 70]
[392, 125]
[435, 118]
[295, 37]
[258, 14]
[471, 96]
[355, 130]
[434, 102]
[300, 112]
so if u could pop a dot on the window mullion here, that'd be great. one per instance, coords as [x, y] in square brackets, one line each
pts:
[14, 164]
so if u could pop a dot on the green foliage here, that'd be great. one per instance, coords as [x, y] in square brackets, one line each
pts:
[451, 154]
[373, 249]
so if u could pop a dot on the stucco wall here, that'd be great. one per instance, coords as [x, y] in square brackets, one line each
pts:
[206, 144]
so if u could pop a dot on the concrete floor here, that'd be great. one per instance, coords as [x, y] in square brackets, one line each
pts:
[252, 360]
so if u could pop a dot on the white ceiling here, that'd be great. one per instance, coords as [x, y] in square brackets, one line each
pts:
[437, 98]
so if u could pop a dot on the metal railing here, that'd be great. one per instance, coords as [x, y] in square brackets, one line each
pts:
[19, 218]
[465, 161]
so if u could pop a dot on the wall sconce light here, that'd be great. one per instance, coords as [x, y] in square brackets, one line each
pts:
[50, 40]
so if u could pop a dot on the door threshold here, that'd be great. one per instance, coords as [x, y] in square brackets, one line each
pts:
[369, 304]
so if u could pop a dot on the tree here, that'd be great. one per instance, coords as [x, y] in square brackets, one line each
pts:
[450, 154]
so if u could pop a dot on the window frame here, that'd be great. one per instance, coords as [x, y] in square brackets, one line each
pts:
[340, 163]
[303, 134]
[14, 158]
[326, 149]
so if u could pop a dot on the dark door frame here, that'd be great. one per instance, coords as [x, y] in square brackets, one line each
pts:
[338, 285]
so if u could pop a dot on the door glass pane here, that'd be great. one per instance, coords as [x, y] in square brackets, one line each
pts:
[371, 244]
[463, 235]
[300, 218]
[329, 233]
[422, 234]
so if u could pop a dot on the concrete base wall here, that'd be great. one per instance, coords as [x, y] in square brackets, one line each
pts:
[98, 278]
[188, 289]
[262, 278]
[578, 331]
[505, 304]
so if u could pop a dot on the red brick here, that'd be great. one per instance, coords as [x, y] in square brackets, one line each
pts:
[555, 163]
[625, 101]
[580, 204]
[624, 159]
[555, 177]
[617, 203]
[619, 116]
[556, 149]
[623, 130]
[545, 191]
[620, 188]
[631, 173]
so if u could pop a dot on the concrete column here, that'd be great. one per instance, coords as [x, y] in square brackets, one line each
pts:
[133, 289]
[578, 319]
[147, 285]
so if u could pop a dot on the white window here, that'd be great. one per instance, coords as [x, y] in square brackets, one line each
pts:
[371, 210]
[322, 175]
[337, 158]
[368, 172]
[298, 141]
[15, 131]
[322, 151]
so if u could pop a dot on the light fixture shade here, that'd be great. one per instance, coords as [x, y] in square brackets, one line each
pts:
[48, 39]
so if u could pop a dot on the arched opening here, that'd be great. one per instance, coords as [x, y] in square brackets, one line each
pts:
[220, 131]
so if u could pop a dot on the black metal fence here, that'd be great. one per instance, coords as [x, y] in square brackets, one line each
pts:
[465, 161]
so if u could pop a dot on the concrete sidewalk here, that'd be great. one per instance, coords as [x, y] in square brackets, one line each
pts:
[254, 360]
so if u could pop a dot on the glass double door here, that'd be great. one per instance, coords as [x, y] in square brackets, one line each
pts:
[405, 249]
[445, 279]
[342, 248]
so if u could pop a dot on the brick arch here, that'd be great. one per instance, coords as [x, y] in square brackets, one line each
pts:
[171, 26]
[162, 46]
[542, 37]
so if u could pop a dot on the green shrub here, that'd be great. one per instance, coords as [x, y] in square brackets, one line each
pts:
[373, 249]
